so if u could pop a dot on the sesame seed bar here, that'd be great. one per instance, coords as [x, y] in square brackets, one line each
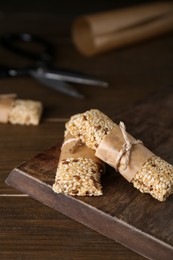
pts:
[90, 127]
[79, 171]
[155, 176]
[25, 112]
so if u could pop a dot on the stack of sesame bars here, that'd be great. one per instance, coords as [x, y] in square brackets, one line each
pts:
[81, 176]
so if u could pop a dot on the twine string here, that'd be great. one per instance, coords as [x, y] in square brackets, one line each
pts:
[126, 147]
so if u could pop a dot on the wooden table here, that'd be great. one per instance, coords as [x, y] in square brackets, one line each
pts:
[28, 229]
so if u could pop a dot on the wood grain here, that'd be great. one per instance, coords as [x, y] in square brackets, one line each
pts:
[28, 229]
[124, 214]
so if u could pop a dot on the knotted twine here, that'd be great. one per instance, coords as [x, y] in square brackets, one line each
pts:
[123, 152]
[126, 147]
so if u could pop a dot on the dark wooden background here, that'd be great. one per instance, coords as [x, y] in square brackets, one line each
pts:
[29, 230]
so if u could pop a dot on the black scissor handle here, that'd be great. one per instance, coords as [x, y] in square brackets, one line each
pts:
[11, 41]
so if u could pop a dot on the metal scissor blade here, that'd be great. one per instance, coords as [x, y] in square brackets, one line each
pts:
[74, 77]
[58, 85]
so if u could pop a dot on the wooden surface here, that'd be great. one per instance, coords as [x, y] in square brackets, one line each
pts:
[28, 229]
[124, 214]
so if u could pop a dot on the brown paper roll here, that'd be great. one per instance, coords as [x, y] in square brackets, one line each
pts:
[110, 147]
[6, 103]
[97, 33]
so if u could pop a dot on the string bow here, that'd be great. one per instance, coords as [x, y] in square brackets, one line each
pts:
[126, 147]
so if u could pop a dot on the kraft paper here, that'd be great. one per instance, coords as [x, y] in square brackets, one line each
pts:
[6, 104]
[111, 145]
[72, 149]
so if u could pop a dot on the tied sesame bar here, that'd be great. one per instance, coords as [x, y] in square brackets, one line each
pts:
[79, 171]
[16, 111]
[148, 173]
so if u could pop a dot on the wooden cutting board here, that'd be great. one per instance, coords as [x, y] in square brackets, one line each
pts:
[124, 214]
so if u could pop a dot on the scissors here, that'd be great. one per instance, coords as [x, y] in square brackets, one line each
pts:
[42, 69]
